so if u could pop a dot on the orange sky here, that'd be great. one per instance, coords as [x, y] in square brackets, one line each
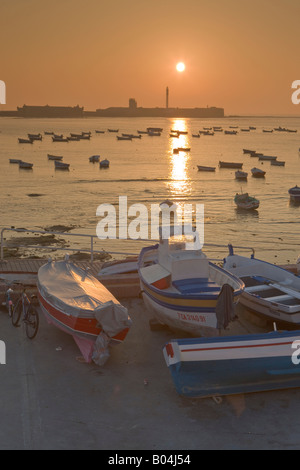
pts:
[240, 55]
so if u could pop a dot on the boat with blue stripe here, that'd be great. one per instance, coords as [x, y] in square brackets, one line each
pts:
[182, 288]
[207, 367]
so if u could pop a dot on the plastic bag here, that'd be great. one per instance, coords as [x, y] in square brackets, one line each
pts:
[101, 352]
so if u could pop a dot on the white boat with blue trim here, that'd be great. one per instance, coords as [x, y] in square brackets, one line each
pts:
[270, 290]
[207, 367]
[182, 288]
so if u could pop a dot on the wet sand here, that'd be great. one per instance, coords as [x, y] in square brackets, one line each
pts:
[51, 400]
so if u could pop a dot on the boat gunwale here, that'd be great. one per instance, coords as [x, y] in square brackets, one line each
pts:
[179, 296]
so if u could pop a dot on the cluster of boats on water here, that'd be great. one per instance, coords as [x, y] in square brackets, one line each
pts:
[185, 290]
[244, 201]
[59, 164]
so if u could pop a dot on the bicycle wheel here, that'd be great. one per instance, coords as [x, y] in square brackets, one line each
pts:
[31, 322]
[16, 314]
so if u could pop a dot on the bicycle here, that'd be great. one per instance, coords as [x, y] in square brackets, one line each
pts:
[30, 315]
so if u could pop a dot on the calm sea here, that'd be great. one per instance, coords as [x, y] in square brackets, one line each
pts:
[146, 171]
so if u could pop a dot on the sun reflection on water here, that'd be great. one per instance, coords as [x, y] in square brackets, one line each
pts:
[179, 156]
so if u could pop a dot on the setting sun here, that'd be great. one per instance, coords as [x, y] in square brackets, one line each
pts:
[180, 67]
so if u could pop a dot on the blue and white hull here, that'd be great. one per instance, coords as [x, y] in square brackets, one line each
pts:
[181, 289]
[205, 367]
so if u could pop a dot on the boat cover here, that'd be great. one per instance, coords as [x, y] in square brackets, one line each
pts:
[77, 293]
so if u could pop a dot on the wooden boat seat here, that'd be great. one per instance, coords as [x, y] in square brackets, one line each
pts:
[196, 286]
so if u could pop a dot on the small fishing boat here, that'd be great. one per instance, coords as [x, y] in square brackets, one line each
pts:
[25, 141]
[59, 139]
[295, 194]
[77, 303]
[266, 157]
[113, 130]
[54, 157]
[183, 149]
[99, 132]
[230, 132]
[154, 134]
[155, 129]
[73, 139]
[182, 288]
[61, 166]
[35, 136]
[270, 290]
[241, 175]
[104, 163]
[246, 202]
[277, 163]
[268, 130]
[230, 165]
[94, 158]
[258, 173]
[208, 367]
[14, 160]
[251, 152]
[206, 168]
[25, 165]
[132, 136]
[48, 133]
[196, 135]
[122, 137]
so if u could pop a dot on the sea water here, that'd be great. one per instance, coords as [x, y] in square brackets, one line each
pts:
[147, 171]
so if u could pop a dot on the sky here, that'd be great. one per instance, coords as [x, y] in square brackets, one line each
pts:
[240, 55]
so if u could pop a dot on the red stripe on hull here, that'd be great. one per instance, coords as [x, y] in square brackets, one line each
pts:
[77, 325]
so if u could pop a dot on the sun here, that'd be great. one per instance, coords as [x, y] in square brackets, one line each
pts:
[180, 67]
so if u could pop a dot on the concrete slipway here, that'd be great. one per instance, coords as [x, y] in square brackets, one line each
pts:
[51, 400]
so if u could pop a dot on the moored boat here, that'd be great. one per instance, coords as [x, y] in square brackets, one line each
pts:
[258, 173]
[267, 157]
[208, 367]
[241, 175]
[55, 157]
[61, 165]
[104, 163]
[59, 139]
[270, 290]
[35, 136]
[25, 141]
[77, 303]
[230, 165]
[25, 165]
[206, 168]
[94, 158]
[277, 163]
[294, 194]
[183, 289]
[246, 202]
[14, 160]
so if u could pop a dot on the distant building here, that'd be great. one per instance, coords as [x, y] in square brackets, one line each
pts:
[50, 111]
[132, 103]
[134, 111]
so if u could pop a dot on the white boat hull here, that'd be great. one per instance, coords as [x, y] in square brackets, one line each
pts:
[196, 324]
[269, 290]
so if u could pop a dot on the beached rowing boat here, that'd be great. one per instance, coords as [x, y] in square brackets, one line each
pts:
[77, 303]
[205, 367]
[270, 290]
[183, 289]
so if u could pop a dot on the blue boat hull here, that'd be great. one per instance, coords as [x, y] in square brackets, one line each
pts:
[244, 376]
[234, 365]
